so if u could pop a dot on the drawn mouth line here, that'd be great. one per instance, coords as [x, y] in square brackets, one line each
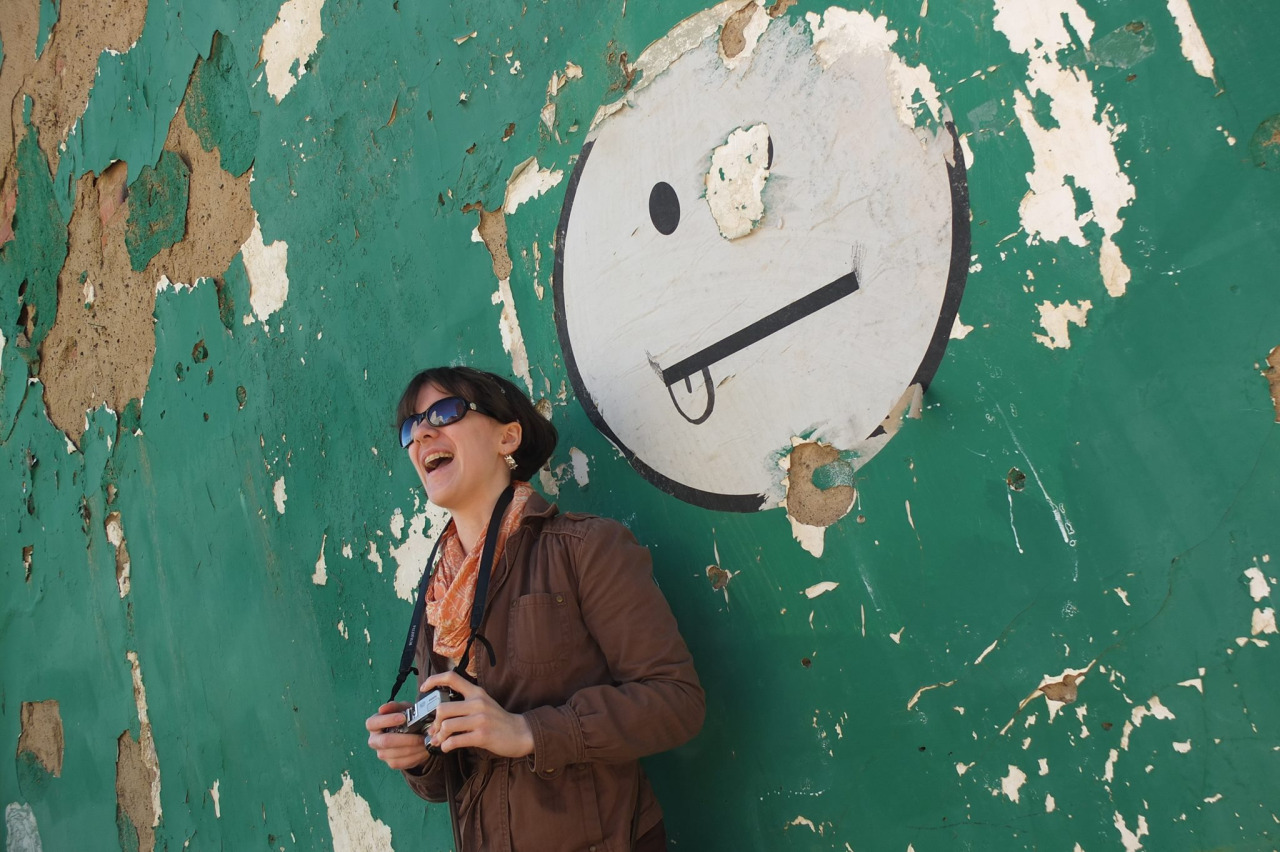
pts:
[701, 361]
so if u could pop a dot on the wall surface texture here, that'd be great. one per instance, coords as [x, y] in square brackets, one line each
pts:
[933, 349]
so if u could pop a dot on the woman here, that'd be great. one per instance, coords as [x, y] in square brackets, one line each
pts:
[576, 667]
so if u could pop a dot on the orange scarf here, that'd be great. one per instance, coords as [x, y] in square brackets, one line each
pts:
[453, 587]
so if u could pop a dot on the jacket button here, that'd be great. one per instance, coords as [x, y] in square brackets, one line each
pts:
[591, 848]
[560, 599]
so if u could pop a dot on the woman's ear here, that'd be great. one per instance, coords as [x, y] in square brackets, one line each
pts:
[509, 440]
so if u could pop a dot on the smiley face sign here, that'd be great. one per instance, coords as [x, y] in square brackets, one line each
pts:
[767, 237]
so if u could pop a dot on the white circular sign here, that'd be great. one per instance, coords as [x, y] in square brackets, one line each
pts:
[754, 248]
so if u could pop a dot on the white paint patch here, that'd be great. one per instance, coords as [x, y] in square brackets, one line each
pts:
[1080, 147]
[915, 698]
[1054, 320]
[1259, 588]
[347, 552]
[800, 820]
[374, 557]
[581, 469]
[2, 342]
[1132, 840]
[292, 38]
[1193, 45]
[342, 630]
[1196, 682]
[527, 182]
[146, 740]
[897, 637]
[988, 650]
[1049, 804]
[962, 768]
[115, 537]
[959, 331]
[352, 824]
[820, 589]
[321, 575]
[397, 524]
[411, 555]
[176, 286]
[837, 32]
[1122, 594]
[1182, 748]
[509, 329]
[812, 539]
[1012, 783]
[277, 494]
[1264, 621]
[735, 181]
[1044, 766]
[217, 798]
[558, 80]
[21, 831]
[266, 266]
[1109, 771]
[1214, 799]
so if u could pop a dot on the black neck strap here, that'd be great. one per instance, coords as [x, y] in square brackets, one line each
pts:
[477, 605]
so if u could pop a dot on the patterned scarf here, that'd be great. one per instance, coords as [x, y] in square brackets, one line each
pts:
[452, 590]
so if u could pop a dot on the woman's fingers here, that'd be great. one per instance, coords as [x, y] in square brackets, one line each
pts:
[453, 681]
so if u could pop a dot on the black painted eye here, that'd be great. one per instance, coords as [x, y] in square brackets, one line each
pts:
[769, 163]
[664, 208]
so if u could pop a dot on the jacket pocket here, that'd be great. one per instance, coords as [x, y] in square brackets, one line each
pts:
[539, 633]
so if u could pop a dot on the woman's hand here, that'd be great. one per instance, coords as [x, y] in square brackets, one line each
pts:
[476, 720]
[398, 751]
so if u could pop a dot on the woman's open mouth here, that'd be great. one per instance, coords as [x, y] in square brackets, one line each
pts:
[436, 460]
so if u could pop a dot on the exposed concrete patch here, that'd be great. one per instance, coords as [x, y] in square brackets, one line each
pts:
[138, 770]
[42, 734]
[1055, 319]
[807, 503]
[736, 179]
[1058, 691]
[741, 32]
[1272, 375]
[103, 354]
[779, 7]
[291, 39]
[1192, 42]
[266, 265]
[21, 832]
[351, 822]
[492, 231]
[59, 82]
[115, 536]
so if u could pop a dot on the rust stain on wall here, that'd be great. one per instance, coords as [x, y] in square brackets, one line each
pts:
[58, 83]
[1272, 375]
[102, 344]
[808, 504]
[42, 734]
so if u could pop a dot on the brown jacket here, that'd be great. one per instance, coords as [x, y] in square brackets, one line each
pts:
[589, 652]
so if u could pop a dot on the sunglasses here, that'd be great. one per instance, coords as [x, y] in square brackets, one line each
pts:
[442, 412]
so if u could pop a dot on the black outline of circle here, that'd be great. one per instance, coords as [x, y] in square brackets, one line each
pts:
[957, 275]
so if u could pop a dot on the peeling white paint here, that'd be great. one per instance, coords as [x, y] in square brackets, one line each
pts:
[321, 575]
[115, 537]
[1214, 799]
[1122, 594]
[21, 832]
[959, 331]
[820, 589]
[812, 539]
[509, 330]
[800, 820]
[962, 768]
[736, 179]
[291, 39]
[1109, 771]
[397, 524]
[1259, 588]
[1264, 621]
[1196, 682]
[374, 557]
[581, 469]
[1012, 783]
[1044, 766]
[342, 629]
[915, 698]
[837, 32]
[751, 33]
[351, 822]
[217, 798]
[527, 182]
[1192, 42]
[1182, 748]
[897, 637]
[1080, 147]
[1054, 319]
[1153, 708]
[146, 740]
[1132, 840]
[557, 81]
[277, 494]
[266, 266]
[411, 555]
[988, 650]
[1049, 804]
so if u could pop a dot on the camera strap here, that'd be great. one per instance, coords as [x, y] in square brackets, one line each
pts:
[477, 605]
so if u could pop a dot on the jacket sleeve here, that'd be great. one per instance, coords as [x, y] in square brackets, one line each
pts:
[655, 702]
[427, 780]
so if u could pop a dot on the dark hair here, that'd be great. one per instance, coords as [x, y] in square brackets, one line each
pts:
[501, 399]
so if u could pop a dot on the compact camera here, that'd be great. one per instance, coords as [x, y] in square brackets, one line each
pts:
[422, 714]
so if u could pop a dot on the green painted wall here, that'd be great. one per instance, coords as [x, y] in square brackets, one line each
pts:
[1107, 507]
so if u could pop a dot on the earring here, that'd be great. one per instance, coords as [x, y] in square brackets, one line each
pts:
[511, 462]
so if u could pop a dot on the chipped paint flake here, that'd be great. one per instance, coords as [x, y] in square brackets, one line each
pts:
[411, 555]
[374, 557]
[291, 39]
[1197, 683]
[820, 589]
[216, 795]
[21, 831]
[1192, 42]
[1132, 840]
[988, 650]
[266, 266]
[351, 822]
[1012, 783]
[1109, 771]
[509, 330]
[278, 495]
[1183, 747]
[321, 575]
[1264, 621]
[962, 768]
[1049, 804]
[581, 467]
[916, 698]
[736, 179]
[801, 820]
[1044, 766]
[1055, 320]
[959, 331]
[812, 539]
[1259, 588]
[146, 740]
[527, 182]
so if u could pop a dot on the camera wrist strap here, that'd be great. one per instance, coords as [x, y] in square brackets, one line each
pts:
[477, 606]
